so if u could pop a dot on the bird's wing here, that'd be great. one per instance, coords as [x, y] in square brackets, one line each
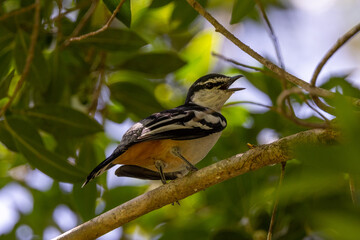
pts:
[182, 123]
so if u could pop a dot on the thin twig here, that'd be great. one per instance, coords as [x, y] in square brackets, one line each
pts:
[285, 94]
[313, 108]
[275, 42]
[273, 67]
[58, 23]
[322, 105]
[248, 102]
[263, 71]
[69, 10]
[303, 123]
[340, 42]
[84, 19]
[352, 189]
[98, 87]
[272, 34]
[279, 102]
[276, 203]
[17, 12]
[273, 153]
[103, 28]
[29, 58]
[235, 62]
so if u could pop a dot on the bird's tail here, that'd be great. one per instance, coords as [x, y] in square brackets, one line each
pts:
[101, 168]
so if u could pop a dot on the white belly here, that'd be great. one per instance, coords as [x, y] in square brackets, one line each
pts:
[195, 150]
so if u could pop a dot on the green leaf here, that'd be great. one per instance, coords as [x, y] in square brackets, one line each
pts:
[347, 88]
[336, 224]
[240, 9]
[158, 4]
[119, 195]
[39, 74]
[5, 83]
[156, 64]
[5, 62]
[115, 113]
[62, 121]
[116, 40]
[267, 84]
[30, 144]
[183, 14]
[6, 138]
[135, 99]
[85, 198]
[124, 15]
[6, 37]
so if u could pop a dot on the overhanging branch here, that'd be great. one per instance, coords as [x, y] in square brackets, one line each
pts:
[253, 159]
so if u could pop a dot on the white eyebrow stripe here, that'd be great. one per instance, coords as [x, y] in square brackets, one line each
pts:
[212, 80]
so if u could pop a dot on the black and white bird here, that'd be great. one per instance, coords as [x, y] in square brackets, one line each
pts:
[167, 144]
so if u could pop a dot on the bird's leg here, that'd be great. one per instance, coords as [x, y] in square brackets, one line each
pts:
[160, 165]
[190, 166]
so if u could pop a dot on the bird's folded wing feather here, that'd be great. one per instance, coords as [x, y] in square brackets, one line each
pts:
[181, 123]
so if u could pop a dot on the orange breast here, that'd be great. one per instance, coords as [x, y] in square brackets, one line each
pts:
[146, 153]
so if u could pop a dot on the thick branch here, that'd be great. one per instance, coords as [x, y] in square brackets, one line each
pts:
[253, 159]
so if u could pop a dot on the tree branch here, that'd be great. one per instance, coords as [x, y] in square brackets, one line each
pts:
[29, 58]
[340, 42]
[253, 159]
[84, 19]
[17, 12]
[273, 67]
[272, 34]
[103, 28]
[236, 63]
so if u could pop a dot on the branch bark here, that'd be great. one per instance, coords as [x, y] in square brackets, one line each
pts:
[253, 159]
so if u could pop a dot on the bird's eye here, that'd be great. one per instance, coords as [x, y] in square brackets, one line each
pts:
[208, 85]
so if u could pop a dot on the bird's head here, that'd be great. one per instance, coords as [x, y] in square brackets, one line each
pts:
[212, 91]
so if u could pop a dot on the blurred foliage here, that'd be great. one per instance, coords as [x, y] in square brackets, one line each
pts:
[143, 64]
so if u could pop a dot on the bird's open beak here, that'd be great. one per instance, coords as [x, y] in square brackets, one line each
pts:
[232, 80]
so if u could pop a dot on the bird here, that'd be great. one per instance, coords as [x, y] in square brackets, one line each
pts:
[168, 144]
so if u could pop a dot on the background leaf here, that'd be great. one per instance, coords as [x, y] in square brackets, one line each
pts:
[183, 14]
[5, 62]
[154, 64]
[29, 143]
[38, 75]
[116, 40]
[5, 83]
[124, 15]
[62, 121]
[6, 138]
[240, 9]
[123, 92]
